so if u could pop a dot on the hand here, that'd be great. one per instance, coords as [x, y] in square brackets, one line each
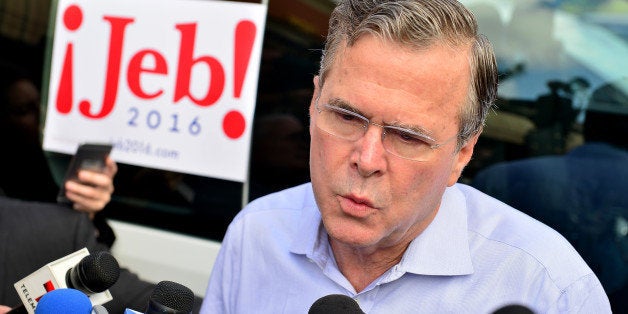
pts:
[93, 190]
[4, 309]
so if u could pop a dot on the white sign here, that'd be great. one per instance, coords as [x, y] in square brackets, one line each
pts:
[170, 83]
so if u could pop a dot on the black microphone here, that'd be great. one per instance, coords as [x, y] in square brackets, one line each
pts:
[94, 273]
[335, 304]
[513, 309]
[170, 298]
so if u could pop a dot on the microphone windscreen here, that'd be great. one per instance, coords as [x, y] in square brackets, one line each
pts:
[170, 297]
[513, 309]
[64, 301]
[94, 273]
[335, 304]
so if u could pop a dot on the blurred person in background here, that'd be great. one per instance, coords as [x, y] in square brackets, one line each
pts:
[28, 217]
[582, 194]
[279, 154]
[25, 173]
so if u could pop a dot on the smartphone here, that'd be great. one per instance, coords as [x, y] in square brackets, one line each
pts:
[90, 156]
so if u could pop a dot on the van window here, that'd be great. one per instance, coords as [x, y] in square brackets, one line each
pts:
[554, 147]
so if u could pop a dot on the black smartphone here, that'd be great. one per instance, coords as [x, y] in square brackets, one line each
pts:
[90, 156]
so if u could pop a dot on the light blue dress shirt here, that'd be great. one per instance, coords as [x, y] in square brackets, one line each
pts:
[477, 256]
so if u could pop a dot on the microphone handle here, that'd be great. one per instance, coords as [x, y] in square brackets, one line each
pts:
[99, 309]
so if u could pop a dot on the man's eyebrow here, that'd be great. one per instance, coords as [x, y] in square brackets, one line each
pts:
[343, 104]
[412, 128]
[340, 103]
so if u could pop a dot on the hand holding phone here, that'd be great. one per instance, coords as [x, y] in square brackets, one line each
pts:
[88, 156]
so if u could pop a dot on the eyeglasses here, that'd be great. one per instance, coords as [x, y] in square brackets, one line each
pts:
[398, 141]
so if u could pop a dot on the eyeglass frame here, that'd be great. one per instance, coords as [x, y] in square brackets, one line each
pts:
[423, 137]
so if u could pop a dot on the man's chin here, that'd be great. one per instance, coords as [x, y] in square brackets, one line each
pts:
[353, 237]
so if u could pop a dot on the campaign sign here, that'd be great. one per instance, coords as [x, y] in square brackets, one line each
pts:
[170, 83]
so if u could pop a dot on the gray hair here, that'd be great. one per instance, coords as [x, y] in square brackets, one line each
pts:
[419, 24]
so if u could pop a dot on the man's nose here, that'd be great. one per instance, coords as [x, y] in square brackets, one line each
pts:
[370, 153]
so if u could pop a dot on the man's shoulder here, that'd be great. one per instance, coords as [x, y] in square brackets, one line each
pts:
[282, 207]
[495, 219]
[33, 234]
[497, 228]
[35, 212]
[272, 223]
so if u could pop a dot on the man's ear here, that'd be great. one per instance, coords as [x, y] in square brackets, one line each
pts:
[317, 89]
[315, 95]
[461, 159]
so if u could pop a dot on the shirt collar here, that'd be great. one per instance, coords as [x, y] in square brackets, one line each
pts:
[441, 249]
[306, 236]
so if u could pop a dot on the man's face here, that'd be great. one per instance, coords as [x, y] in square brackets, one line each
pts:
[23, 109]
[369, 198]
